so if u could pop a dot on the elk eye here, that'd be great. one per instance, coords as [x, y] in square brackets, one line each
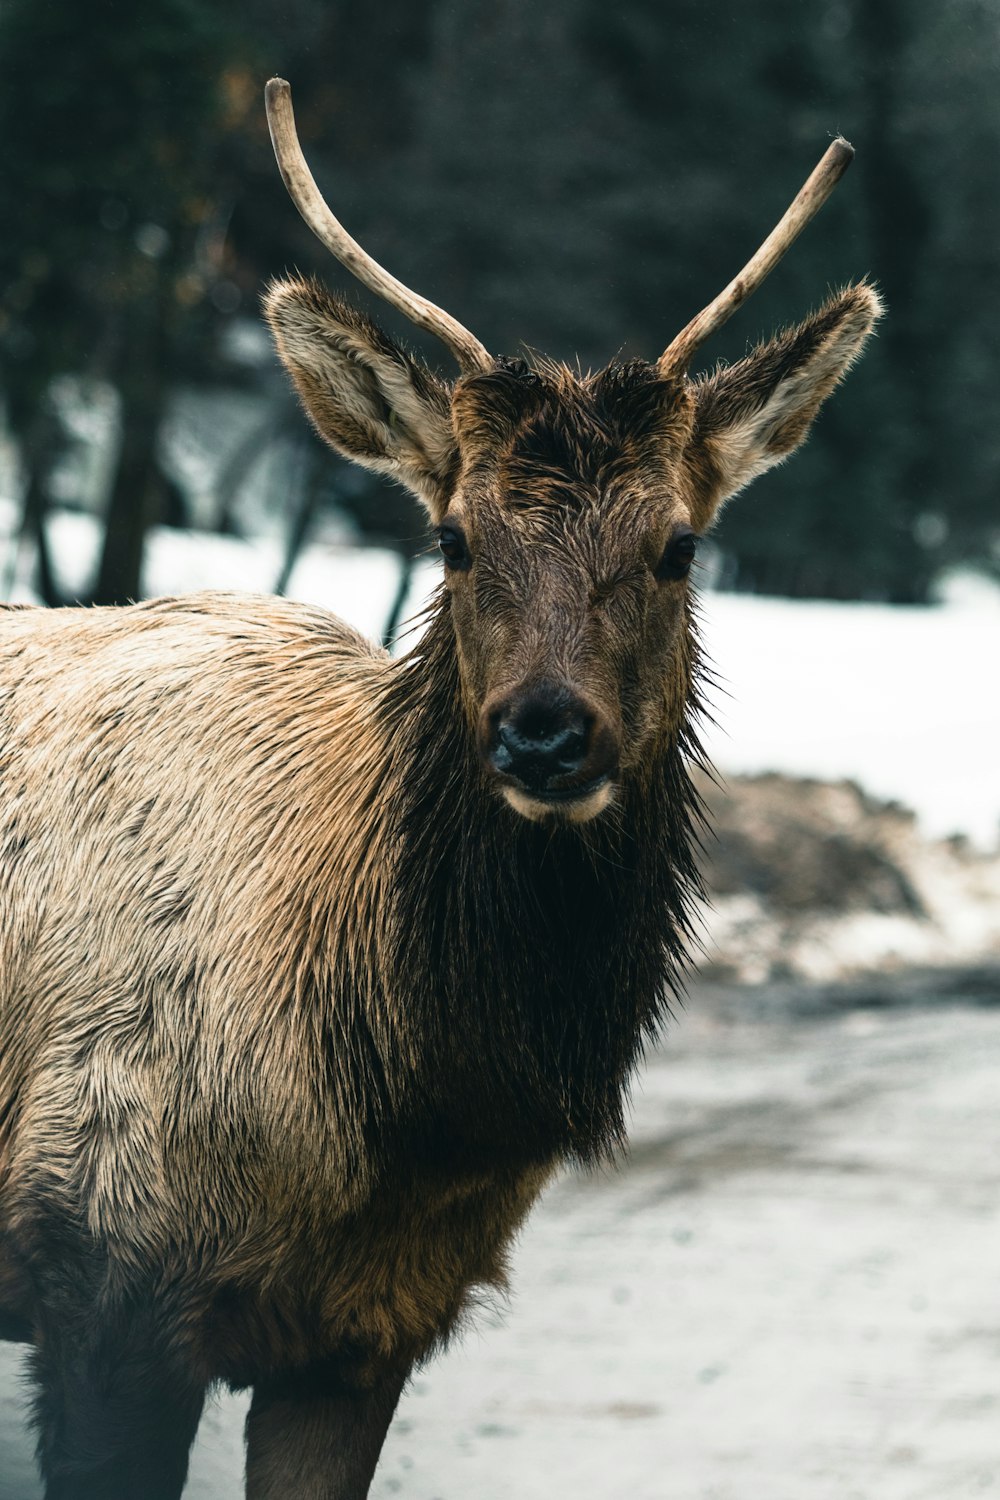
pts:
[678, 555]
[454, 548]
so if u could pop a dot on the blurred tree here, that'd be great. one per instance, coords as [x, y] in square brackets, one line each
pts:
[900, 477]
[511, 189]
[575, 176]
[944, 138]
[115, 204]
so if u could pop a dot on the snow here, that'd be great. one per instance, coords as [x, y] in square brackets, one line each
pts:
[357, 583]
[903, 700]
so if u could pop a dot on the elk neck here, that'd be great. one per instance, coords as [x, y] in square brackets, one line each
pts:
[545, 955]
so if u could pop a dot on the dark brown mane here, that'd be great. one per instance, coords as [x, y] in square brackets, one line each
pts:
[577, 936]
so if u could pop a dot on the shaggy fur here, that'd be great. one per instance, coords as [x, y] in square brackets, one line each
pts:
[297, 1015]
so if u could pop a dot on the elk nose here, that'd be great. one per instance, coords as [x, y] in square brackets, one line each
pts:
[538, 738]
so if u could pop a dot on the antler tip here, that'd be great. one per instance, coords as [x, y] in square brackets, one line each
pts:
[278, 101]
[836, 160]
[818, 186]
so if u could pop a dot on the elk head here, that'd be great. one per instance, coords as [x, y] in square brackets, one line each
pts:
[568, 508]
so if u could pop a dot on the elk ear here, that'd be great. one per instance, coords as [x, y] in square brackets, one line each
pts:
[365, 396]
[751, 415]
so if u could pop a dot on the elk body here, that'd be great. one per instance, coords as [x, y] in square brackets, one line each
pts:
[315, 964]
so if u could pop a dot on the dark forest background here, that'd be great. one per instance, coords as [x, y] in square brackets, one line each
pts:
[565, 174]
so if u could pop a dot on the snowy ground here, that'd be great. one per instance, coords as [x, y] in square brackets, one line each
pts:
[905, 701]
[791, 1292]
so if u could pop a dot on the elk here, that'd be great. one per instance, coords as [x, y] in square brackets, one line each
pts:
[315, 964]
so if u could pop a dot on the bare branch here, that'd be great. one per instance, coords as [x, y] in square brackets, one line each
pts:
[810, 200]
[468, 351]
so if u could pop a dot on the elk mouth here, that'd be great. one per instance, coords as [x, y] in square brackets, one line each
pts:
[571, 804]
[556, 795]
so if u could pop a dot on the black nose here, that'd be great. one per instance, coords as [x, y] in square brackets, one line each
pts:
[539, 738]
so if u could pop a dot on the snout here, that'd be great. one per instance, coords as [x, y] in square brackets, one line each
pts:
[552, 752]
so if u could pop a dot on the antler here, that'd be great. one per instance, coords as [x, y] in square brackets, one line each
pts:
[810, 200]
[468, 351]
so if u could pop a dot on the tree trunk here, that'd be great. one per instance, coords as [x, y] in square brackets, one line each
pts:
[900, 223]
[142, 385]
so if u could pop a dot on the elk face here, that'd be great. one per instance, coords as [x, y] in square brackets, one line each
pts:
[567, 513]
[567, 542]
[567, 510]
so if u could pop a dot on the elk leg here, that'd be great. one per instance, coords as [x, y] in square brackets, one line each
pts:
[313, 1436]
[115, 1422]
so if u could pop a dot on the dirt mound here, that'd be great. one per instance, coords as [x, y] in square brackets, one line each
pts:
[819, 881]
